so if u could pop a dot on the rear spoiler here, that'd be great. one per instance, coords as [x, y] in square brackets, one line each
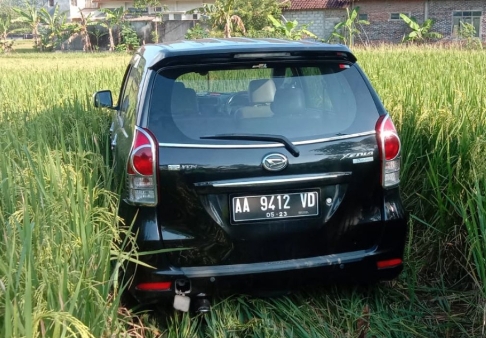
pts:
[263, 56]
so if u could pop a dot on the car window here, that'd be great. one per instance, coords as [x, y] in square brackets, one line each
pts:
[299, 101]
[129, 97]
[222, 81]
[317, 93]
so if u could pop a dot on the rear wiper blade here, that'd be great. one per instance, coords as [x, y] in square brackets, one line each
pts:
[257, 137]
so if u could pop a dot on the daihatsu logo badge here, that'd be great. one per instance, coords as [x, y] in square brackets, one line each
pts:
[275, 162]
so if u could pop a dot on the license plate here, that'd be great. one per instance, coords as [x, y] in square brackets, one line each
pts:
[276, 206]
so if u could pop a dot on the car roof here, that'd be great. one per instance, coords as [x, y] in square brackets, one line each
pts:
[155, 53]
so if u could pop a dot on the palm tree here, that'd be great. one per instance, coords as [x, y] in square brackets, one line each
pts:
[114, 18]
[30, 15]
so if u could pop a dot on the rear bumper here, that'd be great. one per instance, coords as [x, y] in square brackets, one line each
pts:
[278, 275]
[270, 267]
[358, 266]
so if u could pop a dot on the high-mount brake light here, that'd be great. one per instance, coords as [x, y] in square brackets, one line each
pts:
[141, 169]
[260, 55]
[389, 147]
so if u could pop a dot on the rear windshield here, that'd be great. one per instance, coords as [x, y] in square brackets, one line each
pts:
[303, 102]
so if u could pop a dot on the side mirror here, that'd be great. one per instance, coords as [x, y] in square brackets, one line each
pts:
[103, 98]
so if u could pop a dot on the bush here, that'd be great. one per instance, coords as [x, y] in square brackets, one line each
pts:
[130, 40]
[6, 46]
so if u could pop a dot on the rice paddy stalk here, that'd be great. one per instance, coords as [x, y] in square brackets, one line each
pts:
[61, 239]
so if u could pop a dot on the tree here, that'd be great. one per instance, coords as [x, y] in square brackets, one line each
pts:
[82, 30]
[419, 33]
[196, 32]
[468, 33]
[129, 40]
[114, 18]
[289, 29]
[254, 13]
[55, 28]
[222, 14]
[158, 15]
[347, 29]
[30, 16]
[5, 23]
[97, 33]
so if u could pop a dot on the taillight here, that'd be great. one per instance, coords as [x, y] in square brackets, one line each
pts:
[389, 263]
[154, 286]
[389, 148]
[142, 169]
[142, 160]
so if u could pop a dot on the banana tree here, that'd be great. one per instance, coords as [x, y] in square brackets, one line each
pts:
[5, 23]
[222, 13]
[289, 29]
[97, 33]
[419, 32]
[55, 27]
[82, 30]
[347, 29]
[114, 18]
[30, 16]
[158, 15]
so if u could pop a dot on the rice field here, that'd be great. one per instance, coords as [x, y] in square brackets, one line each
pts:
[60, 242]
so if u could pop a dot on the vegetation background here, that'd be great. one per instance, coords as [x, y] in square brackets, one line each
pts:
[60, 241]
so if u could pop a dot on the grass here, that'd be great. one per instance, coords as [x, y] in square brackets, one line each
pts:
[60, 240]
[440, 111]
[23, 46]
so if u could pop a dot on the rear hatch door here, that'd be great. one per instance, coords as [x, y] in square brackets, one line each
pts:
[293, 174]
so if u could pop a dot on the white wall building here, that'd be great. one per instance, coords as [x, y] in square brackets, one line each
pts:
[174, 10]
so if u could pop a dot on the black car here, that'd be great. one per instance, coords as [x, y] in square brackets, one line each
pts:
[271, 163]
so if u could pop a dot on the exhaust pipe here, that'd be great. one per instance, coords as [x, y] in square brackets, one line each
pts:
[202, 305]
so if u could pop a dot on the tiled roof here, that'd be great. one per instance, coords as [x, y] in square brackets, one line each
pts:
[318, 4]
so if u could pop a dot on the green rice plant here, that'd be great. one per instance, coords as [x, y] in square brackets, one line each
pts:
[335, 311]
[58, 227]
[61, 239]
[473, 211]
[438, 103]
[59, 231]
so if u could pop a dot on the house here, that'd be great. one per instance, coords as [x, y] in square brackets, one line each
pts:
[172, 16]
[320, 16]
[172, 10]
[384, 16]
[49, 5]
